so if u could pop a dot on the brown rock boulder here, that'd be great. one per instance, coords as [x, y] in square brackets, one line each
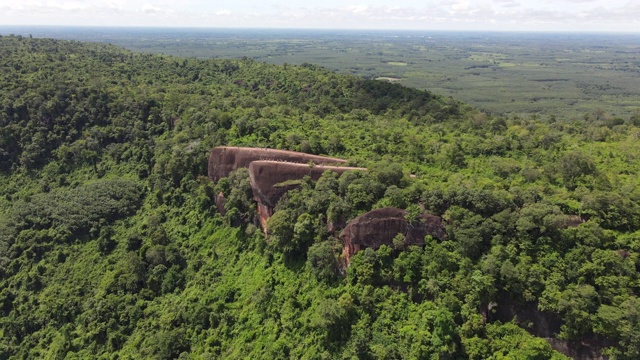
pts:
[379, 227]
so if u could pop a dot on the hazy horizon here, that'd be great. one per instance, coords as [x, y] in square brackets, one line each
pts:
[303, 29]
[620, 16]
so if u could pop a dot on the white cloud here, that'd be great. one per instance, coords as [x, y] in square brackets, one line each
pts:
[357, 9]
[151, 10]
[574, 1]
[68, 5]
[460, 7]
[415, 14]
[508, 3]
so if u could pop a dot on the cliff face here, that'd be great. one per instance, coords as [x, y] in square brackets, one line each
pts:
[270, 180]
[272, 173]
[224, 159]
[379, 227]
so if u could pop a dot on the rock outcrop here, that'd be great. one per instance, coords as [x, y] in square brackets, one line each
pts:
[272, 172]
[379, 227]
[220, 200]
[270, 180]
[224, 159]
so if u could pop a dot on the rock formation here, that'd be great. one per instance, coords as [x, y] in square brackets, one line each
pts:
[379, 227]
[220, 200]
[573, 221]
[270, 180]
[272, 172]
[224, 159]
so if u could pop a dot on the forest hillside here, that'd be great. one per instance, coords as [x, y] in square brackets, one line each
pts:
[111, 245]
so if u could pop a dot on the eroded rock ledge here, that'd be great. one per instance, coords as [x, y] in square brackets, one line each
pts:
[379, 227]
[224, 159]
[272, 172]
[270, 180]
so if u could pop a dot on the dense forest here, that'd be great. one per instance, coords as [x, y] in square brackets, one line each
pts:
[111, 245]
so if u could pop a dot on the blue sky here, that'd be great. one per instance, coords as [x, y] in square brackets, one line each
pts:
[508, 15]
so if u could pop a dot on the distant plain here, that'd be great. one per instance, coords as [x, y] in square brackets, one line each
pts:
[567, 76]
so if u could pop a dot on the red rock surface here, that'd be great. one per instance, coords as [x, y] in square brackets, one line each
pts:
[272, 172]
[220, 200]
[272, 179]
[379, 227]
[264, 213]
[224, 159]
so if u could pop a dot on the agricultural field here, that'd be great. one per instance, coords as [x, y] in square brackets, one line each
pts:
[566, 76]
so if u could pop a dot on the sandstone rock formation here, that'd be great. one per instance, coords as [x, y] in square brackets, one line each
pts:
[270, 180]
[220, 200]
[272, 172]
[379, 227]
[224, 159]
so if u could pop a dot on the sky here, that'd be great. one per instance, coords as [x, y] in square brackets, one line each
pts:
[501, 15]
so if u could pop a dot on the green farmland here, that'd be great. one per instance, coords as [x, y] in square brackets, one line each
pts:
[564, 76]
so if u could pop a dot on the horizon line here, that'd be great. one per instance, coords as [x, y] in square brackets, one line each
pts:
[320, 29]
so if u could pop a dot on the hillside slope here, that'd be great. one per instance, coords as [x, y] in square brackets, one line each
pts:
[111, 245]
